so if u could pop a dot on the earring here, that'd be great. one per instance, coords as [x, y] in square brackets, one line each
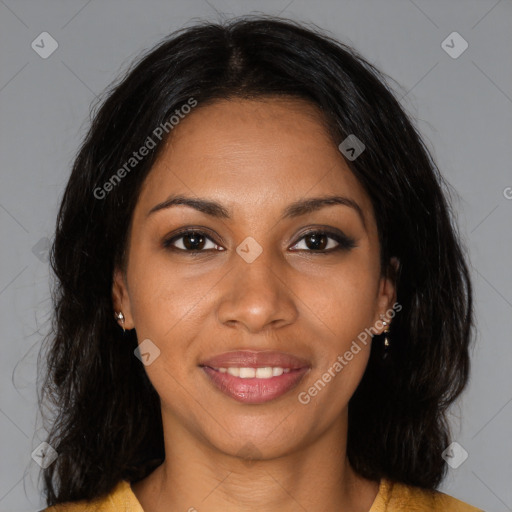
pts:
[386, 343]
[119, 316]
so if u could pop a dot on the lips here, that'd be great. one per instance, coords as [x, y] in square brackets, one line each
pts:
[252, 389]
[255, 359]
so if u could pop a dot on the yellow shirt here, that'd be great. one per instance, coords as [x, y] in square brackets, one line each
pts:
[392, 497]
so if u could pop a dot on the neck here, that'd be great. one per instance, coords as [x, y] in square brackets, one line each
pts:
[196, 476]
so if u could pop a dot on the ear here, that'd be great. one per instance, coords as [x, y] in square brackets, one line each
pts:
[121, 298]
[387, 291]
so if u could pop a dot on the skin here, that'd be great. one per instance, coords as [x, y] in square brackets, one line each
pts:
[255, 157]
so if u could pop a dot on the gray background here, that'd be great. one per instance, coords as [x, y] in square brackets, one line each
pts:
[463, 108]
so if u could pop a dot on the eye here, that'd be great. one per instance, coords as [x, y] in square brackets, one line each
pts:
[319, 241]
[191, 241]
[323, 241]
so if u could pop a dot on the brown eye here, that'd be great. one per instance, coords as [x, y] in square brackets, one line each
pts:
[316, 241]
[190, 241]
[193, 241]
[325, 241]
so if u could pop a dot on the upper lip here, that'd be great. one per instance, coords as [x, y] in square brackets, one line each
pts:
[255, 359]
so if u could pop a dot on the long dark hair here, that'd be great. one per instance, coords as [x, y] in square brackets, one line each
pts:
[107, 423]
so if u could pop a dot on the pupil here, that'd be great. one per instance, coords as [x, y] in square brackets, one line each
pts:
[316, 241]
[195, 240]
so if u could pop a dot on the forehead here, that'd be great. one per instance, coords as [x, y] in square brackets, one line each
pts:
[263, 151]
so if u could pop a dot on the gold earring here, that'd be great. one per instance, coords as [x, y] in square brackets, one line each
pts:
[386, 330]
[386, 342]
[119, 316]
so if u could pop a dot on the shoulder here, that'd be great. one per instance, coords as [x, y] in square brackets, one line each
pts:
[398, 497]
[121, 498]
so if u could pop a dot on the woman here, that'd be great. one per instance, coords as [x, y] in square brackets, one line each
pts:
[262, 301]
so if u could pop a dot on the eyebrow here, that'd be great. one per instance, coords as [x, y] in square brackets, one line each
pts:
[293, 210]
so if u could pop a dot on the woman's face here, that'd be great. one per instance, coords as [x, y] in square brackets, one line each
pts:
[256, 280]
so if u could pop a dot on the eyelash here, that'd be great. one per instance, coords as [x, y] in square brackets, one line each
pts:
[345, 243]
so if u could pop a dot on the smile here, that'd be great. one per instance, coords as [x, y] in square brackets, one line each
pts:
[265, 372]
[254, 385]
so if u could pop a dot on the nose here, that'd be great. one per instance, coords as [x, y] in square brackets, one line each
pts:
[255, 296]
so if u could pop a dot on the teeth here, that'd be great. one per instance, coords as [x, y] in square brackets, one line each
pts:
[264, 373]
[247, 373]
[260, 373]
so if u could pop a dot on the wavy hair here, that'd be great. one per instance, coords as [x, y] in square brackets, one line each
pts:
[106, 423]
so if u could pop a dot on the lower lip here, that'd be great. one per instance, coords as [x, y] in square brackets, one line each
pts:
[253, 390]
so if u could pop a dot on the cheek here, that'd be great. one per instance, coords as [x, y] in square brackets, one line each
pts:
[167, 299]
[344, 299]
[342, 309]
[168, 308]
[341, 305]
